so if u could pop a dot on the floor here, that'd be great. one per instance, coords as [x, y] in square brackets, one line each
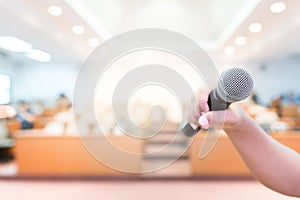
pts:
[144, 189]
[135, 190]
[178, 164]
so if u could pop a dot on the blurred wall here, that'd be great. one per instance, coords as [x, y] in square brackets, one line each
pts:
[6, 66]
[38, 81]
[43, 81]
[276, 77]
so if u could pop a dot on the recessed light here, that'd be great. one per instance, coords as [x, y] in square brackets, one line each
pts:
[255, 27]
[93, 42]
[78, 29]
[240, 41]
[55, 11]
[278, 7]
[14, 44]
[38, 55]
[229, 50]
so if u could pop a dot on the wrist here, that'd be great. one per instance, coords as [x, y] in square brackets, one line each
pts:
[240, 124]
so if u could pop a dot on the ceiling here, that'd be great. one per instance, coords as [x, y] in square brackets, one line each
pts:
[214, 24]
[29, 20]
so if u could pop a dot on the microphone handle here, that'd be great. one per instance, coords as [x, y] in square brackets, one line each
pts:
[215, 103]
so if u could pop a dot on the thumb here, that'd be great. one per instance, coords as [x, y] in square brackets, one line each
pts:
[213, 119]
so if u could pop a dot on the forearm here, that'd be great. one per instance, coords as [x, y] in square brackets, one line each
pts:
[275, 165]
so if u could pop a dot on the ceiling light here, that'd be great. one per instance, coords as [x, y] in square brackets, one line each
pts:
[14, 44]
[255, 27]
[278, 7]
[55, 11]
[38, 55]
[78, 29]
[93, 42]
[229, 50]
[240, 41]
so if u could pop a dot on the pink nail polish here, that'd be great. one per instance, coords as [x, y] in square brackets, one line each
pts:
[203, 122]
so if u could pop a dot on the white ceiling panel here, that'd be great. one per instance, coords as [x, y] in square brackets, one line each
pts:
[214, 24]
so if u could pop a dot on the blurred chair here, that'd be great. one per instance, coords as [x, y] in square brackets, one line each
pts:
[289, 110]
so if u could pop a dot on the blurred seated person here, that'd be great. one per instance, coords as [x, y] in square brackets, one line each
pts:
[254, 97]
[276, 104]
[289, 99]
[6, 112]
[62, 103]
[25, 116]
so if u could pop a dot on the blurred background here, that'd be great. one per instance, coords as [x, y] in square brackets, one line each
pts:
[43, 43]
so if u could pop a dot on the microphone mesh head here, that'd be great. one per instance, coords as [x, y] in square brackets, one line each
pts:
[235, 84]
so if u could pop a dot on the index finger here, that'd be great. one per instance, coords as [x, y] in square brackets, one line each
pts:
[201, 99]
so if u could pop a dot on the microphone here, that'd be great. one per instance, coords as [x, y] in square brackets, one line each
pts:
[235, 84]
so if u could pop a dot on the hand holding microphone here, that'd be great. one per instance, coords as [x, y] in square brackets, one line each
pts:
[235, 84]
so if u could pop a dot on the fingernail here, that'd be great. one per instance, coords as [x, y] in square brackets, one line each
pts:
[203, 122]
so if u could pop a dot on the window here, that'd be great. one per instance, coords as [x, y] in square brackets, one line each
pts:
[4, 89]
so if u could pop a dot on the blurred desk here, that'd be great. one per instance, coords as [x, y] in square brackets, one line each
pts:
[38, 154]
[224, 160]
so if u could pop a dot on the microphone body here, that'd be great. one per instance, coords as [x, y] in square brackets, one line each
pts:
[235, 84]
